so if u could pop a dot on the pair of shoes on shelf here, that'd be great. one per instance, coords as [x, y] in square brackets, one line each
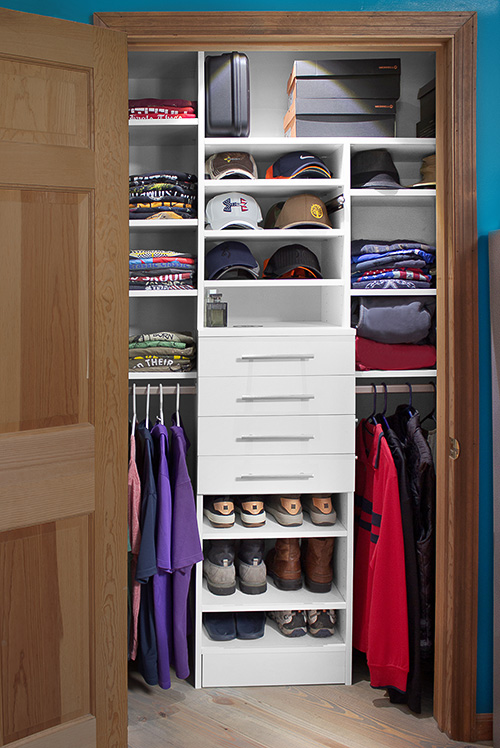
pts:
[286, 561]
[222, 561]
[293, 623]
[221, 510]
[287, 509]
[242, 625]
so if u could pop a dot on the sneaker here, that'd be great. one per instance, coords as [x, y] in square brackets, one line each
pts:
[290, 622]
[251, 510]
[320, 508]
[221, 627]
[286, 509]
[218, 567]
[321, 623]
[251, 567]
[219, 510]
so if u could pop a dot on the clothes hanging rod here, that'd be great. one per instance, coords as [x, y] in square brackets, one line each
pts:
[393, 389]
[167, 390]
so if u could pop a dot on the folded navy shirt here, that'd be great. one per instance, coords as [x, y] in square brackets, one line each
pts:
[377, 246]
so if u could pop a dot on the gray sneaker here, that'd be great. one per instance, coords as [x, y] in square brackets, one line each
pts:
[321, 623]
[320, 508]
[290, 622]
[286, 509]
[251, 567]
[218, 567]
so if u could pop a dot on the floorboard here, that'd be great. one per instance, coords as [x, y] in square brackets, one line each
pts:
[354, 716]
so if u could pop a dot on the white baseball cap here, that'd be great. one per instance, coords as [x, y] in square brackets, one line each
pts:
[233, 209]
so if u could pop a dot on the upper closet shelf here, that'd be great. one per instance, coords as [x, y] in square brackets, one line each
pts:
[262, 236]
[271, 147]
[163, 132]
[163, 223]
[393, 292]
[408, 373]
[273, 187]
[401, 198]
[154, 294]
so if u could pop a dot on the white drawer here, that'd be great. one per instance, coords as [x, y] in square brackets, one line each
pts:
[275, 473]
[275, 356]
[271, 668]
[246, 396]
[286, 435]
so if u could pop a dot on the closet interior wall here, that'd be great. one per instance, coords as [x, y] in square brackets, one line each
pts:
[273, 312]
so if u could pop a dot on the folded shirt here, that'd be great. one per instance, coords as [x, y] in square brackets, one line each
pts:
[377, 246]
[160, 363]
[409, 257]
[144, 337]
[159, 351]
[143, 214]
[392, 320]
[170, 177]
[147, 267]
[406, 273]
[167, 286]
[160, 278]
[372, 355]
[390, 283]
[151, 254]
[159, 190]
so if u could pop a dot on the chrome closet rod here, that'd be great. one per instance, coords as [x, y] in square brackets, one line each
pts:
[167, 390]
[367, 389]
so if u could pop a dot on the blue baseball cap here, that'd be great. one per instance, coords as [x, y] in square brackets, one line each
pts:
[230, 259]
[299, 164]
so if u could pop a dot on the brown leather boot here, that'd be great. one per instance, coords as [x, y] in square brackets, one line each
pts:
[283, 564]
[317, 562]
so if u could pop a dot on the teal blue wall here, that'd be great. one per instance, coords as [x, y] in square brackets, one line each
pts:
[488, 193]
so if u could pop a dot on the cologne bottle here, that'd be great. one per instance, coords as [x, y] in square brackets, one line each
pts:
[215, 310]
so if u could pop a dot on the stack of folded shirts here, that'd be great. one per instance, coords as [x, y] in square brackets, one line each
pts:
[161, 351]
[161, 109]
[394, 334]
[161, 270]
[162, 194]
[392, 264]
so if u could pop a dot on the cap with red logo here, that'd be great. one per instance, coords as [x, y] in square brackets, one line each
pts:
[233, 210]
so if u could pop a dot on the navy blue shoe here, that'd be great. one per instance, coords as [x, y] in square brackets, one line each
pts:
[250, 625]
[220, 626]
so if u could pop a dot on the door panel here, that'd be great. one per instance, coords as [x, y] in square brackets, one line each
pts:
[63, 383]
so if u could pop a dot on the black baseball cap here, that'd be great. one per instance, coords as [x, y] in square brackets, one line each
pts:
[290, 258]
[230, 260]
[299, 164]
[374, 169]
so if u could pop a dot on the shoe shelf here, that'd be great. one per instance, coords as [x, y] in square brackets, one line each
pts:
[272, 529]
[274, 639]
[272, 599]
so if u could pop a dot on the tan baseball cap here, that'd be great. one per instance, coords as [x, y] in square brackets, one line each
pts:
[304, 210]
[235, 165]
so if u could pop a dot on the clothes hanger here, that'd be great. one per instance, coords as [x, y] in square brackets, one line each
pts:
[371, 417]
[148, 392]
[161, 404]
[134, 410]
[431, 415]
[411, 409]
[382, 415]
[177, 403]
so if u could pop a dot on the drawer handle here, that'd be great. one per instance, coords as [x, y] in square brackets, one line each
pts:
[278, 357]
[297, 476]
[273, 438]
[249, 398]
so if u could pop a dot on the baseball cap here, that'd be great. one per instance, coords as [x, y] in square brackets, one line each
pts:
[374, 169]
[231, 164]
[292, 261]
[230, 260]
[233, 209]
[427, 172]
[306, 211]
[299, 164]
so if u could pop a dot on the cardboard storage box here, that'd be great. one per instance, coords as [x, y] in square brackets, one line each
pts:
[340, 125]
[328, 68]
[375, 107]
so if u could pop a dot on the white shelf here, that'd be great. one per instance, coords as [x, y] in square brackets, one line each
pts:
[273, 640]
[155, 132]
[146, 294]
[264, 235]
[272, 599]
[162, 223]
[404, 374]
[272, 148]
[158, 375]
[272, 328]
[405, 198]
[405, 149]
[260, 283]
[393, 292]
[273, 187]
[272, 529]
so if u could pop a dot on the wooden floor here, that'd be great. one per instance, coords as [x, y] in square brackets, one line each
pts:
[354, 716]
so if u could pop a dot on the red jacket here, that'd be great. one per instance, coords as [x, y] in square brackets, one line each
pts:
[380, 616]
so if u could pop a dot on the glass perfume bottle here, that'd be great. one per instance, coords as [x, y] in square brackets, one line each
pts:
[215, 310]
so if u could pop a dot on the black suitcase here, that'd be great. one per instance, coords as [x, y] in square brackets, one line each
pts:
[227, 95]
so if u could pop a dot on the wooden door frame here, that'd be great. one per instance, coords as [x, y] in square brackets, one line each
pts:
[452, 36]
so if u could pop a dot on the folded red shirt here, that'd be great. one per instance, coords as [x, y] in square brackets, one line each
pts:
[398, 356]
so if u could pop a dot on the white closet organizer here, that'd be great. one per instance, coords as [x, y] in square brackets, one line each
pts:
[276, 388]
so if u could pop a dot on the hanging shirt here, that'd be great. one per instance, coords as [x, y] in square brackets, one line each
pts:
[146, 562]
[134, 505]
[380, 619]
[162, 580]
[186, 546]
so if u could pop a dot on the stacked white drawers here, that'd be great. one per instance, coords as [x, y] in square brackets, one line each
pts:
[276, 415]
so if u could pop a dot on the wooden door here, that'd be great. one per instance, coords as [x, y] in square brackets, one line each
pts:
[63, 449]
